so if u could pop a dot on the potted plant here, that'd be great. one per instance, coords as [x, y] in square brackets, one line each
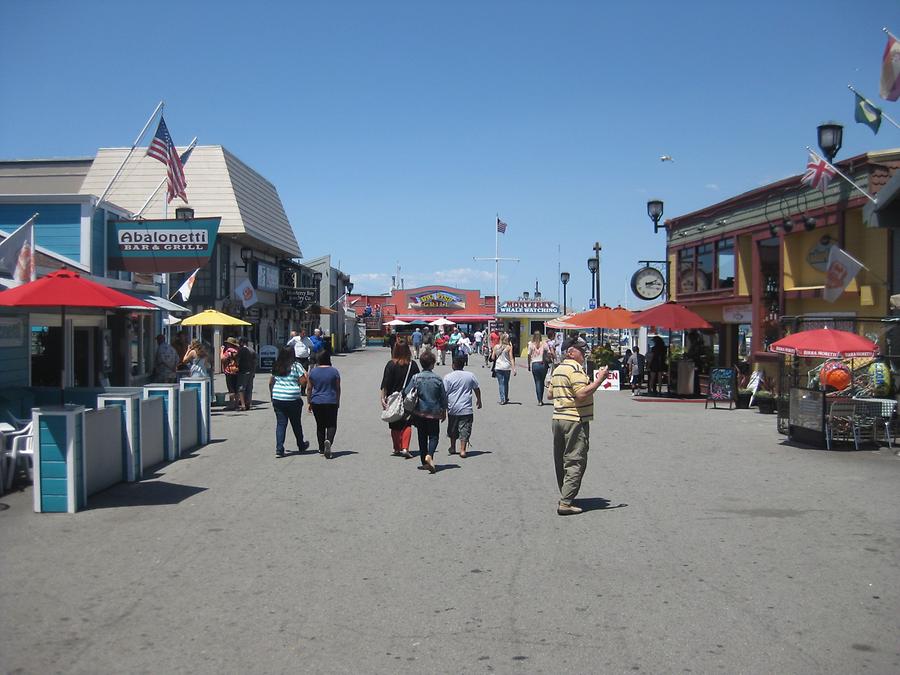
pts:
[765, 402]
[743, 398]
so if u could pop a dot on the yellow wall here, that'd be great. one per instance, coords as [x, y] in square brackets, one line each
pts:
[744, 264]
[673, 277]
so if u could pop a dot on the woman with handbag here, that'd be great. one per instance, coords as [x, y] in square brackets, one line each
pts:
[397, 373]
[428, 397]
[504, 363]
[285, 386]
[539, 357]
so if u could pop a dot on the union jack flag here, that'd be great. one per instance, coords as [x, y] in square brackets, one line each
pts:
[501, 226]
[162, 149]
[818, 173]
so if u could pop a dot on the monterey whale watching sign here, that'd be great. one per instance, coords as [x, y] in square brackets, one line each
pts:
[160, 245]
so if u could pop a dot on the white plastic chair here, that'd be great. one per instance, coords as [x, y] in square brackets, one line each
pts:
[21, 445]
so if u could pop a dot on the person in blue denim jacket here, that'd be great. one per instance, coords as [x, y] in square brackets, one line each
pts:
[431, 409]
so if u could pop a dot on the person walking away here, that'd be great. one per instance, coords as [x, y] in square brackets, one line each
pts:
[635, 365]
[166, 360]
[441, 343]
[397, 374]
[229, 359]
[323, 391]
[657, 365]
[302, 347]
[460, 385]
[504, 363]
[316, 345]
[493, 341]
[538, 359]
[573, 409]
[285, 387]
[417, 341]
[430, 410]
[477, 341]
[246, 371]
[428, 339]
[464, 348]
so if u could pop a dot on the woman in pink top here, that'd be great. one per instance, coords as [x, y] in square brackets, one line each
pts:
[538, 357]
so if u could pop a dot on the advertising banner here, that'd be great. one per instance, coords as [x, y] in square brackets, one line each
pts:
[160, 245]
[528, 307]
[437, 299]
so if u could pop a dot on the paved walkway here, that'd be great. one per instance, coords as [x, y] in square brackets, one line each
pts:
[709, 546]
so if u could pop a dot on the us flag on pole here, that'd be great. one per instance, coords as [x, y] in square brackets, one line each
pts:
[501, 226]
[162, 149]
[818, 173]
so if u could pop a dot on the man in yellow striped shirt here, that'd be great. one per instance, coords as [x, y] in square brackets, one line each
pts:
[572, 393]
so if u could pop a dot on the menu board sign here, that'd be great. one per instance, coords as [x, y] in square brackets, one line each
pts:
[722, 386]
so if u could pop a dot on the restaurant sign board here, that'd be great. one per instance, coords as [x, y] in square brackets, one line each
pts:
[160, 245]
[437, 299]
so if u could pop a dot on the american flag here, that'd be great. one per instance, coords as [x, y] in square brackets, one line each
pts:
[818, 173]
[162, 149]
[501, 226]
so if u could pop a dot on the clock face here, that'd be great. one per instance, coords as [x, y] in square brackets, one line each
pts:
[647, 283]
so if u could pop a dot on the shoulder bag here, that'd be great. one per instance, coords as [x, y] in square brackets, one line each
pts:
[412, 398]
[394, 411]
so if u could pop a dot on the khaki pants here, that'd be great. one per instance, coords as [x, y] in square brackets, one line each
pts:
[570, 451]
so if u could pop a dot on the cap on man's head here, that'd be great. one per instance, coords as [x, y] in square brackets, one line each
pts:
[577, 343]
[232, 341]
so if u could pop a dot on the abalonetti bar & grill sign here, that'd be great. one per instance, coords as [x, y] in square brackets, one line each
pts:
[160, 245]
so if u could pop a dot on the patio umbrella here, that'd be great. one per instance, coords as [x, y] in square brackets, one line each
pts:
[826, 343]
[66, 288]
[396, 322]
[670, 315]
[601, 317]
[560, 322]
[443, 321]
[212, 317]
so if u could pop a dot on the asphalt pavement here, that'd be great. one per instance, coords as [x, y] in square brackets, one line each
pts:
[708, 545]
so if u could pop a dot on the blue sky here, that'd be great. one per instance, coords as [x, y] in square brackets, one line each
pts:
[396, 131]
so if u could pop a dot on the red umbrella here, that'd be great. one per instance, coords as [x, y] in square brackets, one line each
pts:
[66, 288]
[670, 315]
[826, 343]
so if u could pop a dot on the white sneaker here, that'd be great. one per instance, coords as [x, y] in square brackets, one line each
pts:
[327, 449]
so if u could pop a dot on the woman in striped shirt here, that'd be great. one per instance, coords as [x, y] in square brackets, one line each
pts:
[285, 386]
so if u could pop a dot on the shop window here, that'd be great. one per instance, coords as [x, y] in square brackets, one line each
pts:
[704, 267]
[725, 263]
[686, 270]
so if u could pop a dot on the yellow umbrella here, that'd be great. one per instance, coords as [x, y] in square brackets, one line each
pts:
[211, 317]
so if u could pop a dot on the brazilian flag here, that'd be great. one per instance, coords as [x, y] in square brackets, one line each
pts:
[867, 114]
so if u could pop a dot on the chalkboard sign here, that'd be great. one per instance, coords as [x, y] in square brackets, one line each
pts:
[722, 387]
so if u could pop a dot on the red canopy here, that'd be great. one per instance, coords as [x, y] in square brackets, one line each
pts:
[670, 315]
[66, 288]
[826, 343]
[601, 317]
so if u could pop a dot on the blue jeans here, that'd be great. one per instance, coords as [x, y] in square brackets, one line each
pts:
[539, 372]
[429, 433]
[503, 383]
[287, 411]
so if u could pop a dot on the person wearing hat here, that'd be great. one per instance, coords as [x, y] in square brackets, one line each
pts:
[229, 358]
[572, 393]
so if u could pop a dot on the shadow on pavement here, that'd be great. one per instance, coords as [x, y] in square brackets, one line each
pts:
[342, 453]
[597, 504]
[475, 453]
[156, 493]
[441, 467]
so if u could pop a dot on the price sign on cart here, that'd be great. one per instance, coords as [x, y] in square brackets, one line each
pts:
[611, 383]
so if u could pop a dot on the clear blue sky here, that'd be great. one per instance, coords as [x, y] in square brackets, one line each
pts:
[395, 131]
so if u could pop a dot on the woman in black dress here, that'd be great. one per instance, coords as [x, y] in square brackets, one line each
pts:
[397, 373]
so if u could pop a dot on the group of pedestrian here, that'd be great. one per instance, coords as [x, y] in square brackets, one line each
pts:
[299, 371]
[239, 365]
[434, 399]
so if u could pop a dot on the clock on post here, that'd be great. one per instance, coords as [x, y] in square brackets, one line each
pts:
[648, 283]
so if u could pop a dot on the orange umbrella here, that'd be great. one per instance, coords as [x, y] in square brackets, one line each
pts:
[602, 317]
[672, 316]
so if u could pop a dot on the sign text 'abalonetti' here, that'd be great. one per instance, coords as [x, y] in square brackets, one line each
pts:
[160, 245]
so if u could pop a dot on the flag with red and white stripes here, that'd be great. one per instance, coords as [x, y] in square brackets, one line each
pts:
[162, 149]
[501, 226]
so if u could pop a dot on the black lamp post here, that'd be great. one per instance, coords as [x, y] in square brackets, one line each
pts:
[593, 266]
[830, 137]
[564, 278]
[655, 211]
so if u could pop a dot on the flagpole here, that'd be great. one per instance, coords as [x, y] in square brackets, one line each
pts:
[883, 114]
[497, 264]
[844, 176]
[137, 140]
[163, 182]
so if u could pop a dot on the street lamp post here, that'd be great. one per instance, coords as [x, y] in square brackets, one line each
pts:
[830, 136]
[597, 249]
[593, 266]
[564, 278]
